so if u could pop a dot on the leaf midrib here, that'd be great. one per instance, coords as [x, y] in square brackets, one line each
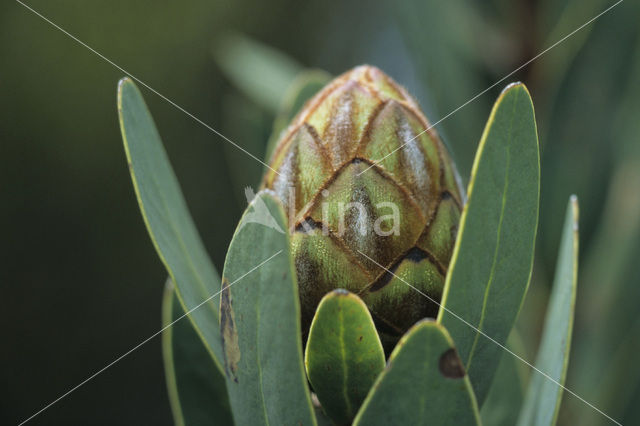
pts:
[183, 248]
[259, 364]
[498, 234]
[165, 207]
[345, 366]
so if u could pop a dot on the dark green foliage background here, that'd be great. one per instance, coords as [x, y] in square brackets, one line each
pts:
[81, 283]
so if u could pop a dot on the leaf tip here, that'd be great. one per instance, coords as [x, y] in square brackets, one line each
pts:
[123, 82]
[513, 86]
[574, 200]
[575, 208]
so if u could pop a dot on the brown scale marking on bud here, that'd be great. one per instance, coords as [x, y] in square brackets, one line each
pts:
[291, 168]
[345, 124]
[415, 255]
[410, 153]
[366, 134]
[347, 127]
[340, 130]
[412, 107]
[409, 103]
[369, 243]
[308, 224]
[445, 195]
[375, 76]
[319, 225]
[312, 205]
[309, 108]
[308, 271]
[445, 161]
[380, 253]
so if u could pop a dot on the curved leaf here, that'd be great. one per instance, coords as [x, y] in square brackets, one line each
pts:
[260, 322]
[344, 355]
[493, 256]
[424, 383]
[504, 400]
[197, 388]
[167, 217]
[542, 402]
[240, 58]
[449, 75]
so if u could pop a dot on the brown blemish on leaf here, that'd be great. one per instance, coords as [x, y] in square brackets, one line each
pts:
[229, 333]
[451, 365]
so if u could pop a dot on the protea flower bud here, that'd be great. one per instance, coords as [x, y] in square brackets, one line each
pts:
[356, 199]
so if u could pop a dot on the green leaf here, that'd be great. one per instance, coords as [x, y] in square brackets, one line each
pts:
[504, 400]
[424, 383]
[260, 322]
[167, 217]
[493, 256]
[261, 72]
[306, 84]
[607, 321]
[197, 388]
[543, 398]
[453, 68]
[344, 355]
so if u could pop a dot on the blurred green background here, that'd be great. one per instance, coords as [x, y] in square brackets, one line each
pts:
[81, 282]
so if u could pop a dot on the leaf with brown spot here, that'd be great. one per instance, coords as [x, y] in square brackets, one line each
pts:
[413, 389]
[261, 324]
[451, 365]
[229, 333]
[492, 258]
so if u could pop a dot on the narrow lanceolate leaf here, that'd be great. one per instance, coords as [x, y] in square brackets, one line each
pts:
[167, 217]
[504, 401]
[344, 355]
[424, 384]
[544, 394]
[197, 389]
[493, 256]
[240, 57]
[306, 84]
[260, 322]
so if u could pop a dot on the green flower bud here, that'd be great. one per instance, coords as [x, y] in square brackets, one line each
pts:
[356, 199]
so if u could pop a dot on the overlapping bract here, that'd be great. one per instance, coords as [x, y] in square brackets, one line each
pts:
[358, 150]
